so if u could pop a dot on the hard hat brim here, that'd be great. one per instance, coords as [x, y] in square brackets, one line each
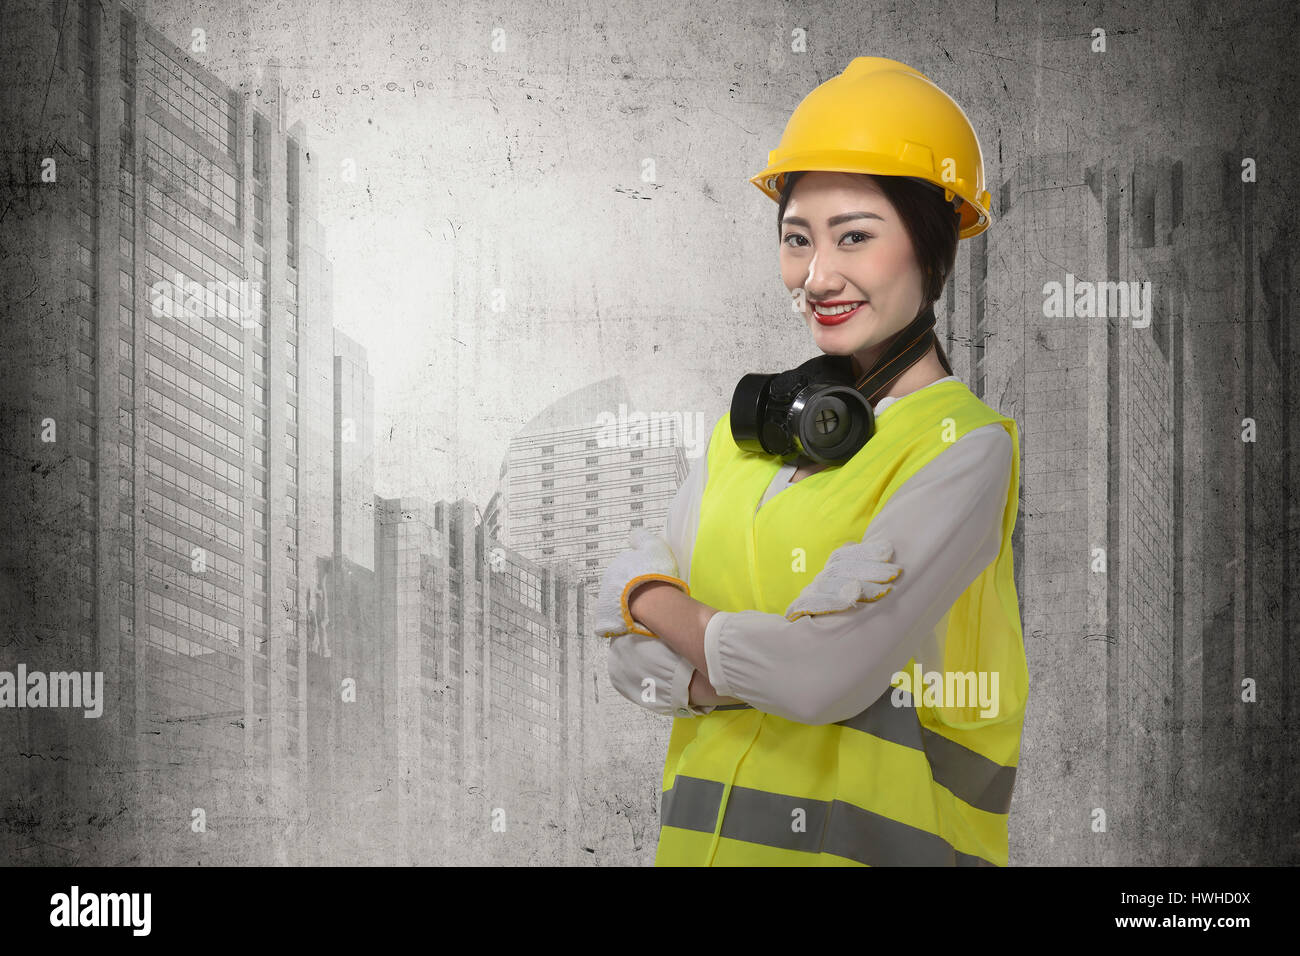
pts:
[974, 209]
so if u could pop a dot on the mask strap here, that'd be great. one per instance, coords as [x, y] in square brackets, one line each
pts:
[908, 347]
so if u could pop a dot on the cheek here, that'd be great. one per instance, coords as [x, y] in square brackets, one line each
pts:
[793, 274]
[895, 263]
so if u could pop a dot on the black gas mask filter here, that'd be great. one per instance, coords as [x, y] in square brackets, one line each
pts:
[819, 409]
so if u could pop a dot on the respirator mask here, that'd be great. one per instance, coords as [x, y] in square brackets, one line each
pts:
[820, 409]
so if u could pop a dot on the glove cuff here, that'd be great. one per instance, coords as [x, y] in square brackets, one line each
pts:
[635, 583]
[817, 611]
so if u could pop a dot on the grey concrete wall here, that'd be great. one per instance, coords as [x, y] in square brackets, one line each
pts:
[519, 202]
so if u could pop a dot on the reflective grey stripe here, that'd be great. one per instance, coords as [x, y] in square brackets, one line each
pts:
[691, 804]
[835, 826]
[983, 783]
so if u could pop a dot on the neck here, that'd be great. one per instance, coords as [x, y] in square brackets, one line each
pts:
[927, 371]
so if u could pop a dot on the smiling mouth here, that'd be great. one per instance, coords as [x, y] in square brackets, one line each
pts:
[838, 311]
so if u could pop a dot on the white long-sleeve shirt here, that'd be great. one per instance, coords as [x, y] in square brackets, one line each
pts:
[945, 524]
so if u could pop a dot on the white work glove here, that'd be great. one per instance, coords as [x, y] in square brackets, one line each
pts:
[650, 559]
[853, 575]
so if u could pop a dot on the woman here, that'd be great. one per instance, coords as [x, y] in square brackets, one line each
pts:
[810, 625]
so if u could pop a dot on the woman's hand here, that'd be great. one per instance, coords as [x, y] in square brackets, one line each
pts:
[649, 559]
[854, 574]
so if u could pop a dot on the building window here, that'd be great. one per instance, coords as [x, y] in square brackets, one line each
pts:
[548, 449]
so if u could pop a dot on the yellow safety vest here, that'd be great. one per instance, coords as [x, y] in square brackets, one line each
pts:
[893, 785]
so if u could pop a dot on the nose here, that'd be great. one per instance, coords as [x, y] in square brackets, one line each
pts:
[821, 281]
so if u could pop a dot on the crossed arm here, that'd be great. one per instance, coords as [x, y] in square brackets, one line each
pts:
[680, 621]
[945, 524]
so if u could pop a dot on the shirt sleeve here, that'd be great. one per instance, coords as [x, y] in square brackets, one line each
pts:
[635, 657]
[945, 524]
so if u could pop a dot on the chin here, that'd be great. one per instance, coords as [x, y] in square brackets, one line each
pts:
[837, 339]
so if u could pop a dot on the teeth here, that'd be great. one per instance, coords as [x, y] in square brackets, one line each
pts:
[837, 309]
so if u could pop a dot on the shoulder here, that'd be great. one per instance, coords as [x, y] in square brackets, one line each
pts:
[982, 455]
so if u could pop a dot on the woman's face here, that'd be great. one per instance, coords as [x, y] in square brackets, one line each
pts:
[842, 242]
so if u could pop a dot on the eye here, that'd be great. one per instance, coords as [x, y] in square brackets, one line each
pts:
[864, 235]
[794, 235]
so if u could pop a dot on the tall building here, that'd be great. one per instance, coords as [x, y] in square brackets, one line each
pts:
[185, 365]
[575, 480]
[354, 453]
[483, 655]
[1150, 583]
[581, 474]
[345, 712]
[537, 737]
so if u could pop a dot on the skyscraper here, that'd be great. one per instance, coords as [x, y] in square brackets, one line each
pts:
[185, 368]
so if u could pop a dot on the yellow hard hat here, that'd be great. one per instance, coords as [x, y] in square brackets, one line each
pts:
[883, 117]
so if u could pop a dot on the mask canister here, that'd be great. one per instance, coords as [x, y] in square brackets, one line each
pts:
[819, 410]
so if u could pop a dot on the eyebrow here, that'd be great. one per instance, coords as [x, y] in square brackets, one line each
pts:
[834, 220]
